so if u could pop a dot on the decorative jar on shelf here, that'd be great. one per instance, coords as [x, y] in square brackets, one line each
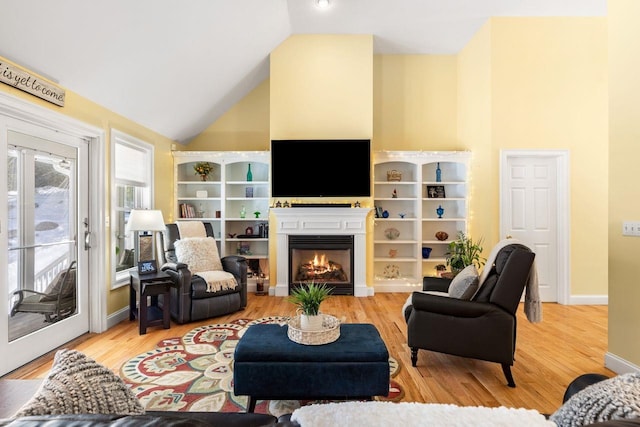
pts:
[440, 211]
[426, 252]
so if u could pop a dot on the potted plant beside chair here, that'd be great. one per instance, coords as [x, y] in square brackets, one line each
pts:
[463, 252]
[308, 298]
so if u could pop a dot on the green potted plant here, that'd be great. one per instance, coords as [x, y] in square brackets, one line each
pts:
[308, 298]
[463, 252]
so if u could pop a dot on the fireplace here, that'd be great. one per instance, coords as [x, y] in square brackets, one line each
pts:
[322, 259]
[314, 223]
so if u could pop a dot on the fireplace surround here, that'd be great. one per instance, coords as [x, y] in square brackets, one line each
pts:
[321, 221]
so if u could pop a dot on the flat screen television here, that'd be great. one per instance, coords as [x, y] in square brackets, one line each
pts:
[321, 168]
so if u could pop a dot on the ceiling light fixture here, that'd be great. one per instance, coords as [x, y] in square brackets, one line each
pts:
[322, 4]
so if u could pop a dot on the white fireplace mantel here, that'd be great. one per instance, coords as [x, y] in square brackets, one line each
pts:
[321, 221]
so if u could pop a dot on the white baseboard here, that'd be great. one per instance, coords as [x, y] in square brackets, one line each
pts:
[117, 317]
[619, 365]
[400, 287]
[588, 300]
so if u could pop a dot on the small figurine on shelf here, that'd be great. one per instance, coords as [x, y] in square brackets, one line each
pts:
[357, 204]
[440, 269]
[440, 211]
[285, 204]
[243, 212]
[278, 204]
[394, 195]
[257, 214]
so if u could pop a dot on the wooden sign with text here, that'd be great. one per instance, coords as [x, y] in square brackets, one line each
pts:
[29, 83]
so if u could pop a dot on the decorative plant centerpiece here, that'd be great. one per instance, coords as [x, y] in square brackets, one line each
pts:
[203, 169]
[308, 298]
[463, 252]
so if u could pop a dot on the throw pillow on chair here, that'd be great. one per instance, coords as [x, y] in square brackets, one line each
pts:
[202, 257]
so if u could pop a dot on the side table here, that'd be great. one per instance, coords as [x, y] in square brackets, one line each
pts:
[149, 286]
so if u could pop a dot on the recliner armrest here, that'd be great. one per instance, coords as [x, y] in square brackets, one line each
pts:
[439, 284]
[237, 265]
[234, 264]
[174, 266]
[451, 306]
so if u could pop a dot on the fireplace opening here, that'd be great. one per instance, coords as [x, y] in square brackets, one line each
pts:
[322, 259]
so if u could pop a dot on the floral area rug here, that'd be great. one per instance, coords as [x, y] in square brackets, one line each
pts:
[195, 372]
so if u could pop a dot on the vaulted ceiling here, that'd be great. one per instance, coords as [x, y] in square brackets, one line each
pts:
[176, 66]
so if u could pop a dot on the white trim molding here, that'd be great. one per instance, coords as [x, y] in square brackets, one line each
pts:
[322, 221]
[619, 365]
[20, 109]
[563, 212]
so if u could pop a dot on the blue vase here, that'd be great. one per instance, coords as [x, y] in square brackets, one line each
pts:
[385, 214]
[438, 173]
[440, 211]
[426, 252]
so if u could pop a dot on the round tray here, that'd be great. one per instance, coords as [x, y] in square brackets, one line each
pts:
[329, 333]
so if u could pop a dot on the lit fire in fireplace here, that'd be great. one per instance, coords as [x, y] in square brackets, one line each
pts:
[321, 268]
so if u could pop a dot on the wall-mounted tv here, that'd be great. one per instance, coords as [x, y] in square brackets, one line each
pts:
[321, 168]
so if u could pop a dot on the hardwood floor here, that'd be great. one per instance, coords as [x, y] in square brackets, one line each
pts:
[570, 341]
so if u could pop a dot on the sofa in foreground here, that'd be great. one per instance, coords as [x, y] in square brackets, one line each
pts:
[80, 392]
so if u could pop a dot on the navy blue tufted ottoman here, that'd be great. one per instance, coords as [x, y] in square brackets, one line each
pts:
[268, 365]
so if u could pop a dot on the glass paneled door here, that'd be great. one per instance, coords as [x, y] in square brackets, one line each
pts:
[45, 264]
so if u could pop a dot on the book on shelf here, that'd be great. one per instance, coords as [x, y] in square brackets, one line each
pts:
[187, 211]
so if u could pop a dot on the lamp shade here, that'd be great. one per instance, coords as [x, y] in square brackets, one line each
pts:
[145, 220]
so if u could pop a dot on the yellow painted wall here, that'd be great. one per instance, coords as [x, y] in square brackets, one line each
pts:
[244, 127]
[549, 91]
[322, 87]
[624, 194]
[93, 114]
[414, 102]
[520, 83]
[474, 133]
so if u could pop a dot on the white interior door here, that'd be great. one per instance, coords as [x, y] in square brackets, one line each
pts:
[533, 208]
[44, 224]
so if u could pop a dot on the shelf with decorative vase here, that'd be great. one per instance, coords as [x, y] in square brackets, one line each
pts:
[424, 181]
[228, 187]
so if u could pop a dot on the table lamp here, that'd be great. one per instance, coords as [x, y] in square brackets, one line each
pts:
[144, 220]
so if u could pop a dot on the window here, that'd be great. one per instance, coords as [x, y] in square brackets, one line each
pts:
[131, 188]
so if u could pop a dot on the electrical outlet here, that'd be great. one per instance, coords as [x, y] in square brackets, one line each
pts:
[631, 228]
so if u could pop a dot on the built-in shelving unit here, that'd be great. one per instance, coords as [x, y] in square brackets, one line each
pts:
[235, 202]
[408, 207]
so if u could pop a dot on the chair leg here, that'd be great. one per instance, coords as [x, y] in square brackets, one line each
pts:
[507, 373]
[414, 356]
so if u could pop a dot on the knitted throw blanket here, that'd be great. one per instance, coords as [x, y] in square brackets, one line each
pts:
[614, 399]
[191, 229]
[384, 414]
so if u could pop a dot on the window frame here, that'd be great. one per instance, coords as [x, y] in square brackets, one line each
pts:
[143, 198]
